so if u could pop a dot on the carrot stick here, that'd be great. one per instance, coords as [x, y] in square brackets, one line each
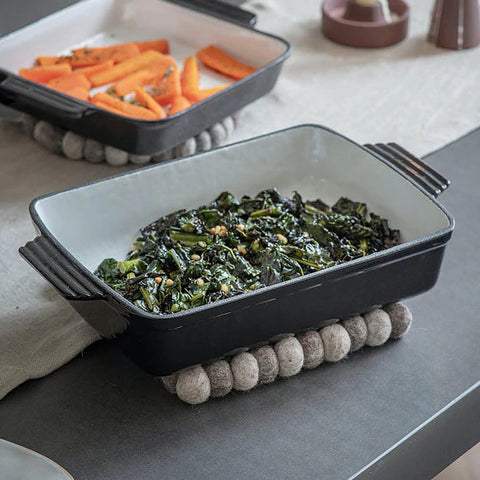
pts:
[161, 46]
[220, 61]
[124, 68]
[43, 61]
[207, 92]
[137, 79]
[141, 96]
[167, 87]
[105, 106]
[190, 78]
[178, 104]
[128, 108]
[77, 92]
[45, 73]
[67, 82]
[87, 57]
[101, 67]
[161, 65]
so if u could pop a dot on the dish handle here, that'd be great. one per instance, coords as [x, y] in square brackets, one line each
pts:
[417, 171]
[18, 90]
[219, 9]
[60, 272]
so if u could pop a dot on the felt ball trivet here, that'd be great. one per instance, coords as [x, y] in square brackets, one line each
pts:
[75, 147]
[287, 356]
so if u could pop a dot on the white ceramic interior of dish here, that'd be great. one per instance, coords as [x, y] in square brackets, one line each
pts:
[102, 219]
[107, 22]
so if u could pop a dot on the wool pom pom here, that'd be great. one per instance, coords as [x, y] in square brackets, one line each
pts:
[164, 156]
[73, 146]
[290, 356]
[218, 134]
[189, 147]
[139, 159]
[228, 125]
[115, 157]
[245, 371]
[204, 141]
[221, 378]
[312, 347]
[357, 331]
[28, 123]
[193, 385]
[379, 327]
[170, 382]
[400, 318]
[48, 136]
[236, 117]
[267, 364]
[94, 151]
[336, 342]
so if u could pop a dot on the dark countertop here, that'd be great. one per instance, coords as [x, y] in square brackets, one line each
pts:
[103, 418]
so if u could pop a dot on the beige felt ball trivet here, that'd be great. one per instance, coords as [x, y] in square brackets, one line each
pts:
[75, 147]
[289, 354]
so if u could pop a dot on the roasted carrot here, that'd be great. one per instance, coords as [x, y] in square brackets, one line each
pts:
[89, 56]
[204, 93]
[124, 68]
[178, 104]
[77, 92]
[167, 87]
[67, 82]
[161, 46]
[112, 109]
[141, 96]
[127, 108]
[101, 67]
[162, 65]
[137, 79]
[43, 61]
[45, 73]
[190, 78]
[215, 58]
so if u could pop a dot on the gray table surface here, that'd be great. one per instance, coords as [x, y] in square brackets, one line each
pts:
[405, 410]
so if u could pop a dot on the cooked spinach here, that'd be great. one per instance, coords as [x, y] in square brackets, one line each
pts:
[194, 257]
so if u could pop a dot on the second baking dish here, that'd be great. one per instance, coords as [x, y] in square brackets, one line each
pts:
[80, 227]
[188, 25]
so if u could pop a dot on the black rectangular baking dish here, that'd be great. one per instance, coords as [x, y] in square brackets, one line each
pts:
[188, 25]
[78, 228]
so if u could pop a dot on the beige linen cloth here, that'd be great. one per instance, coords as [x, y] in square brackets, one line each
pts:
[413, 93]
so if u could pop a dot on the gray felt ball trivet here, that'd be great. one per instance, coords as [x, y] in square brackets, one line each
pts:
[245, 371]
[48, 136]
[221, 378]
[290, 356]
[312, 347]
[193, 385]
[400, 318]
[357, 331]
[262, 365]
[379, 327]
[94, 151]
[75, 147]
[267, 364]
[336, 342]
